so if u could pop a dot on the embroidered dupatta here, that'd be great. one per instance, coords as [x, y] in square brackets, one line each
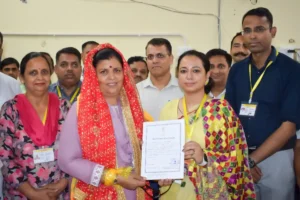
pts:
[227, 150]
[227, 174]
[96, 131]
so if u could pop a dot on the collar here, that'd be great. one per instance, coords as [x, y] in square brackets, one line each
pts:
[173, 82]
[217, 97]
[272, 57]
[59, 85]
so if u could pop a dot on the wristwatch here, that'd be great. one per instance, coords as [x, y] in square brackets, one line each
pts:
[252, 163]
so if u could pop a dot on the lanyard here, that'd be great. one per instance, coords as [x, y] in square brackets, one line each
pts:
[45, 116]
[253, 88]
[73, 97]
[190, 128]
[223, 97]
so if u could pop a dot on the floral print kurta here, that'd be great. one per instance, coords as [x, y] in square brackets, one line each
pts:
[16, 154]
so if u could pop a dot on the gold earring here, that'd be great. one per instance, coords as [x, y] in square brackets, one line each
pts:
[206, 81]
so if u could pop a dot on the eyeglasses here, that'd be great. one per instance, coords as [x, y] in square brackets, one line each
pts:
[258, 30]
[159, 56]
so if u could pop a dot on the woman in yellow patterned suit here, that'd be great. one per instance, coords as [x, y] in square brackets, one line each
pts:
[216, 152]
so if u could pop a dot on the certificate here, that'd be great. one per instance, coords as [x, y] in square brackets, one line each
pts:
[162, 156]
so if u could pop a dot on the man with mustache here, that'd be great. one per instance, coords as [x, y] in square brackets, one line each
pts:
[220, 63]
[139, 68]
[68, 70]
[238, 50]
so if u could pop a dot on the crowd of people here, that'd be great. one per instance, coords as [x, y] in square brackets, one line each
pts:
[80, 137]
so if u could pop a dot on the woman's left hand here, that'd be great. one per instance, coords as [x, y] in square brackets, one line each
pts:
[192, 150]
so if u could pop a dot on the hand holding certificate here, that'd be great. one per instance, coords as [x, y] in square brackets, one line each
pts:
[162, 156]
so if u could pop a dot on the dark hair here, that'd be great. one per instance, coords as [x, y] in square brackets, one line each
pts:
[47, 54]
[9, 61]
[260, 12]
[1, 37]
[205, 61]
[160, 42]
[30, 56]
[87, 43]
[106, 54]
[134, 59]
[236, 35]
[68, 50]
[220, 52]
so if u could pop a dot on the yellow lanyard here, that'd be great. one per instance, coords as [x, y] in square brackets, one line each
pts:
[73, 97]
[45, 116]
[223, 96]
[253, 88]
[190, 128]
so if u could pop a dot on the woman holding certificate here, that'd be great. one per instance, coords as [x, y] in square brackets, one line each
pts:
[216, 154]
[100, 145]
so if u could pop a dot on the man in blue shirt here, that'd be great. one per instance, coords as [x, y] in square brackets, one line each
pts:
[68, 70]
[264, 90]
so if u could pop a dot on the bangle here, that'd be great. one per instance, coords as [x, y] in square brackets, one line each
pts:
[110, 175]
[124, 171]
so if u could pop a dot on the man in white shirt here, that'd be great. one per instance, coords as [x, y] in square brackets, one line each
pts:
[1, 44]
[160, 87]
[220, 63]
[9, 87]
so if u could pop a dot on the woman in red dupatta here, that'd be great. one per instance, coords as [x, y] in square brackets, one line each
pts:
[108, 101]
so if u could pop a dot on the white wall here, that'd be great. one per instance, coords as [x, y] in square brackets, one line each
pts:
[121, 17]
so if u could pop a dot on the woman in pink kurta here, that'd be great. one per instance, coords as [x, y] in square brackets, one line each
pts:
[31, 123]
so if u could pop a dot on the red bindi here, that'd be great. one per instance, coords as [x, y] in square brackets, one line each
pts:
[110, 66]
